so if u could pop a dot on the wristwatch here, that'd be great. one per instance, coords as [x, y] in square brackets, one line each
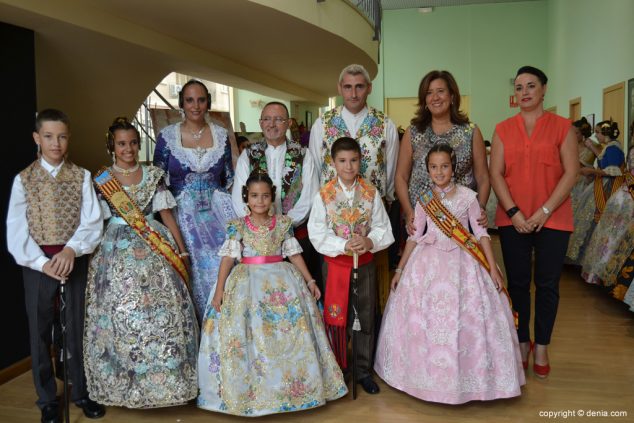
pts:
[545, 210]
[512, 211]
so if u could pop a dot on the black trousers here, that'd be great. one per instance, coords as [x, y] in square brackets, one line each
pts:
[41, 292]
[364, 341]
[549, 247]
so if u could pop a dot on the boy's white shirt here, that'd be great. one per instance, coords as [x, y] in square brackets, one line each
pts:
[323, 237]
[23, 247]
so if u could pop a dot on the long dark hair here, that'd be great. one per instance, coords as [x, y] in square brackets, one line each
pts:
[422, 119]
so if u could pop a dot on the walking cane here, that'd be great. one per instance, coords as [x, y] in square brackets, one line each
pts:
[62, 319]
[356, 325]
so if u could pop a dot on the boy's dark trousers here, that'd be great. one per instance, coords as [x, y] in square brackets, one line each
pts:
[41, 292]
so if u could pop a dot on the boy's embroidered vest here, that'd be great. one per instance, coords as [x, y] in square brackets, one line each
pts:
[346, 219]
[292, 174]
[53, 203]
[371, 140]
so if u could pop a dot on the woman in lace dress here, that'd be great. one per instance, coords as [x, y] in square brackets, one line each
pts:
[141, 334]
[263, 348]
[608, 178]
[196, 155]
[612, 241]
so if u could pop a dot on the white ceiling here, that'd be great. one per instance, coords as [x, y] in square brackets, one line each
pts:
[414, 4]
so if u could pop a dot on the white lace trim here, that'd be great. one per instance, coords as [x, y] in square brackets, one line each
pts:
[613, 171]
[163, 200]
[189, 156]
[290, 247]
[458, 205]
[231, 248]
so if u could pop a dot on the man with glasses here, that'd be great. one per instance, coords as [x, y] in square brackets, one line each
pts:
[291, 168]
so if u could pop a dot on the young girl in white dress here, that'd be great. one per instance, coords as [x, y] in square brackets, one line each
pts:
[264, 348]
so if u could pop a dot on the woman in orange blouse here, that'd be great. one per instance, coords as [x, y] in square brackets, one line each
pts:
[533, 168]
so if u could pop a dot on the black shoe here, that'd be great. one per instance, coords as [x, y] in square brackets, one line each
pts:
[92, 409]
[50, 414]
[369, 385]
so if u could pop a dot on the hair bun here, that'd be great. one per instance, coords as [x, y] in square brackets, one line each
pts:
[259, 172]
[120, 120]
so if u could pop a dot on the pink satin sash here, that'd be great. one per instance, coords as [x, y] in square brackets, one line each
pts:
[261, 259]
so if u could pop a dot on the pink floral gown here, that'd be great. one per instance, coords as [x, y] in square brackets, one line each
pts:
[447, 335]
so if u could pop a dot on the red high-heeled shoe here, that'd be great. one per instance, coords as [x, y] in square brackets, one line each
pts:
[531, 344]
[541, 371]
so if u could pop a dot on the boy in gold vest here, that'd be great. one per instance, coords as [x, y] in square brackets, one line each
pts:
[54, 221]
[348, 218]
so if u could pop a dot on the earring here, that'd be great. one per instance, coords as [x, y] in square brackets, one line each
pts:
[247, 210]
[39, 150]
[271, 210]
[426, 108]
[114, 158]
[182, 112]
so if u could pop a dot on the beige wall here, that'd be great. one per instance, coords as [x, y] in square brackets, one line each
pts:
[98, 59]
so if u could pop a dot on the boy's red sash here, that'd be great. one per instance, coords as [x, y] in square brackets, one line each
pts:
[336, 302]
[114, 193]
[452, 228]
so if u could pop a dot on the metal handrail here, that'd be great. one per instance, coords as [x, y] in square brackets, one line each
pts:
[144, 124]
[142, 127]
[372, 11]
[167, 103]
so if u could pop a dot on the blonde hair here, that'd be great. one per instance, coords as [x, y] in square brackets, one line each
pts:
[355, 69]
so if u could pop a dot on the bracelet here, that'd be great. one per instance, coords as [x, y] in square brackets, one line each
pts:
[311, 281]
[398, 270]
[512, 211]
[185, 254]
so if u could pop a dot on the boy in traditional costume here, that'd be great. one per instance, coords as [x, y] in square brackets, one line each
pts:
[348, 223]
[53, 224]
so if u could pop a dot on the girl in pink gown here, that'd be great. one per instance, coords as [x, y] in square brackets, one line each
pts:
[448, 333]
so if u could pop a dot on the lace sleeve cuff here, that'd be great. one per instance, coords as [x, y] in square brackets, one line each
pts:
[163, 200]
[613, 171]
[483, 235]
[230, 248]
[290, 247]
